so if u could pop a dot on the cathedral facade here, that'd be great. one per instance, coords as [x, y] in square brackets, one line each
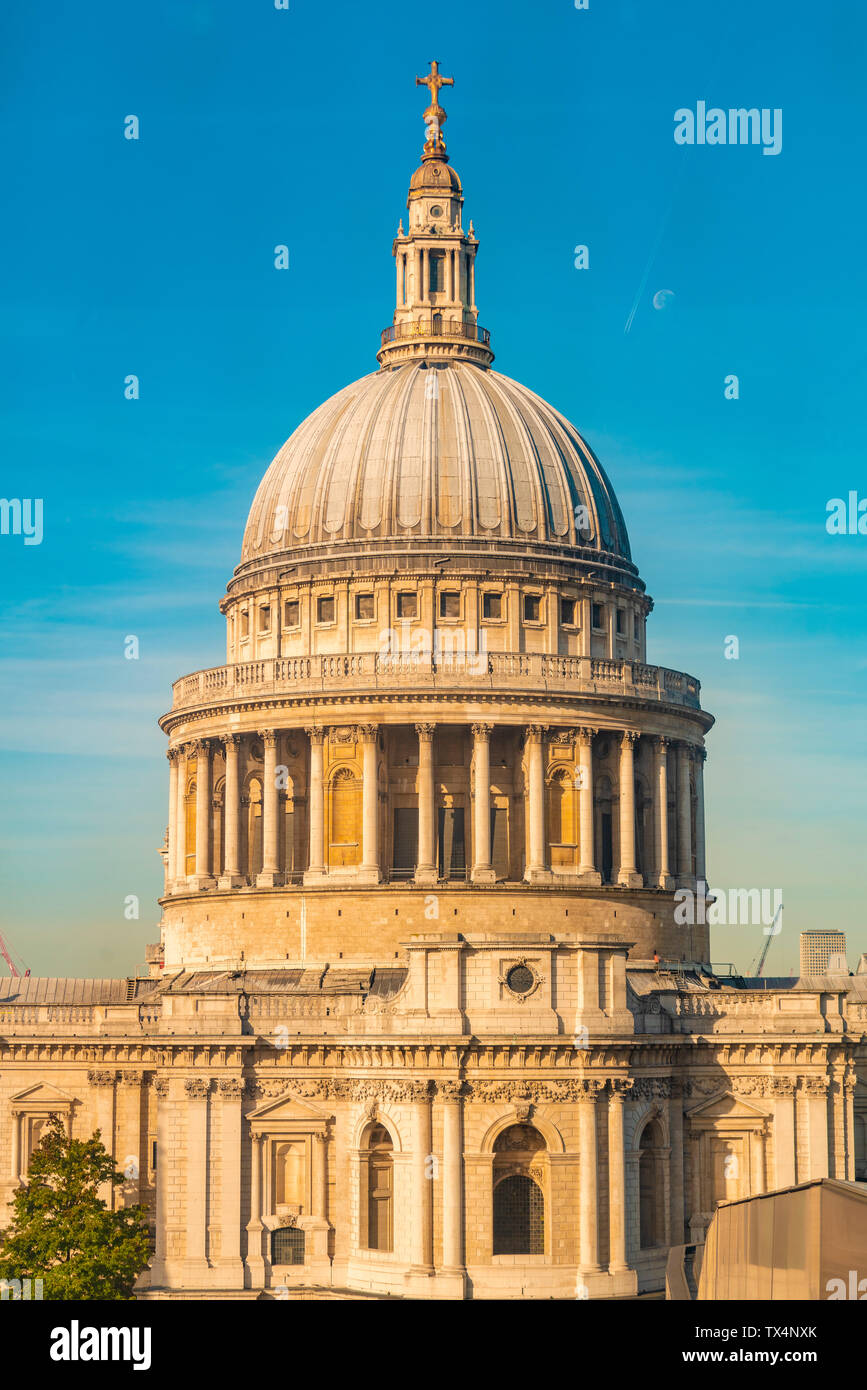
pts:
[423, 1019]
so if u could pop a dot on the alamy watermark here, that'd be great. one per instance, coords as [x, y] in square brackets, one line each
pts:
[22, 516]
[739, 907]
[711, 125]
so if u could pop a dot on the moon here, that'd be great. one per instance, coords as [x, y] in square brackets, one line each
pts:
[662, 299]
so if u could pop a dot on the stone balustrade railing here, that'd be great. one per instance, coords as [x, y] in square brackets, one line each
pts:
[366, 672]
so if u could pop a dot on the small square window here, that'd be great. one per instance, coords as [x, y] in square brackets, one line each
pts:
[265, 618]
[407, 605]
[532, 608]
[567, 612]
[292, 613]
[596, 616]
[325, 610]
[492, 605]
[620, 620]
[364, 606]
[450, 604]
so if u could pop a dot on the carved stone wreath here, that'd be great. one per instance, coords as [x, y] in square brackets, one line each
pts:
[521, 996]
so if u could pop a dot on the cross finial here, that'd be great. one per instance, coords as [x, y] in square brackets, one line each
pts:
[434, 115]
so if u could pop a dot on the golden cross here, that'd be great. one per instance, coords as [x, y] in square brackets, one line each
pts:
[434, 81]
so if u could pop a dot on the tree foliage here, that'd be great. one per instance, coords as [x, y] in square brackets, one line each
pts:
[63, 1233]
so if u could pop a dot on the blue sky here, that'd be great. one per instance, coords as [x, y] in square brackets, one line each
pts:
[302, 127]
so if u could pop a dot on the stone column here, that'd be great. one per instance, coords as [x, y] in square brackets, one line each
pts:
[255, 1264]
[628, 874]
[202, 877]
[270, 874]
[422, 1183]
[131, 1145]
[684, 817]
[453, 1185]
[231, 1091]
[588, 1219]
[483, 869]
[103, 1082]
[231, 877]
[663, 878]
[426, 868]
[675, 1114]
[181, 818]
[368, 870]
[618, 1090]
[587, 868]
[785, 1164]
[316, 861]
[16, 1148]
[320, 1175]
[161, 1213]
[196, 1110]
[537, 870]
[171, 867]
[700, 755]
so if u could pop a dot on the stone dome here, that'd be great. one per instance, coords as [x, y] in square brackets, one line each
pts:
[434, 174]
[432, 453]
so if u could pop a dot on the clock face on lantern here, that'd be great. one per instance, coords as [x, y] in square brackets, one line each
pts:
[436, 211]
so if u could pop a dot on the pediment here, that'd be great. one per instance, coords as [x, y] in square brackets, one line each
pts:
[725, 1105]
[41, 1095]
[289, 1107]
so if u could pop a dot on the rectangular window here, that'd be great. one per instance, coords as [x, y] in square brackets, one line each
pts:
[325, 610]
[532, 608]
[492, 605]
[567, 612]
[621, 622]
[407, 605]
[245, 624]
[596, 617]
[292, 613]
[450, 604]
[436, 261]
[364, 607]
[265, 618]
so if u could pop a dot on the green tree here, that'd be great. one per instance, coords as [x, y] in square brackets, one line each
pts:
[63, 1233]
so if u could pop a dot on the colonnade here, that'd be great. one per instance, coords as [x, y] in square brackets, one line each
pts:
[677, 770]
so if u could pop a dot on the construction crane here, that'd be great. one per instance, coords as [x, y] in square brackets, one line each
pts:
[755, 971]
[4, 952]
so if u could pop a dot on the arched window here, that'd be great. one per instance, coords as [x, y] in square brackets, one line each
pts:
[345, 847]
[218, 847]
[380, 1190]
[604, 828]
[519, 1199]
[190, 826]
[562, 819]
[651, 1190]
[254, 827]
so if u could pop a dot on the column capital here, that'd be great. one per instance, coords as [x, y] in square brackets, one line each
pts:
[231, 740]
[629, 737]
[131, 1078]
[661, 743]
[536, 732]
[315, 735]
[700, 754]
[450, 1092]
[589, 1090]
[619, 1088]
[174, 754]
[200, 746]
[425, 732]
[482, 731]
[269, 737]
[197, 1087]
[230, 1088]
[321, 1136]
[586, 734]
[367, 733]
[102, 1078]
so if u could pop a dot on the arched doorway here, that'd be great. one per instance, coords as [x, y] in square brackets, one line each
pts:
[378, 1194]
[519, 1195]
[651, 1187]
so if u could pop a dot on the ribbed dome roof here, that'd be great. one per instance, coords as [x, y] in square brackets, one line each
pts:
[431, 453]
